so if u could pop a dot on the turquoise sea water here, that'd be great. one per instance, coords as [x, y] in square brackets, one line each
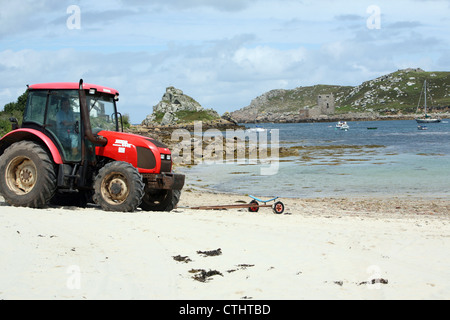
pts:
[396, 159]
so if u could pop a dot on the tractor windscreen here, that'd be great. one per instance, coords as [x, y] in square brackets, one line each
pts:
[102, 112]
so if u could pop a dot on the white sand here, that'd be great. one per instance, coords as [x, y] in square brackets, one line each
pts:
[322, 249]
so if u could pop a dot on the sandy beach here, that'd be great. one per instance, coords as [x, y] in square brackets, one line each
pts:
[366, 248]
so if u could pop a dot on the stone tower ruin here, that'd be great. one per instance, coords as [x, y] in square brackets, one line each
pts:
[326, 103]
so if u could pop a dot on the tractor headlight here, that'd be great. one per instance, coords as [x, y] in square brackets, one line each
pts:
[165, 156]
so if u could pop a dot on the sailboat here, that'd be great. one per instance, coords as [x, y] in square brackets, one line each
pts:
[426, 118]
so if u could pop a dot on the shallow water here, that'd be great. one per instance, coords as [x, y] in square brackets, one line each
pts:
[396, 159]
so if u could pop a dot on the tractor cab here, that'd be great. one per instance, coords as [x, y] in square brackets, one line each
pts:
[56, 110]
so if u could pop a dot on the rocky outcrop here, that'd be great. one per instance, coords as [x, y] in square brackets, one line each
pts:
[172, 103]
[228, 117]
[178, 110]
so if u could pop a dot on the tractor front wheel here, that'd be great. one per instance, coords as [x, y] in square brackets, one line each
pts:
[27, 175]
[118, 187]
[160, 200]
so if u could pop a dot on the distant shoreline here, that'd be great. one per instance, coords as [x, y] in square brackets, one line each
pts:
[240, 123]
[350, 117]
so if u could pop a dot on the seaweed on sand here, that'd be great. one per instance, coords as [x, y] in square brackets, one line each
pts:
[203, 275]
[211, 253]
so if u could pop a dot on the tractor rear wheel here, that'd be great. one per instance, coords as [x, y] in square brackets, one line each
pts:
[27, 175]
[160, 200]
[118, 187]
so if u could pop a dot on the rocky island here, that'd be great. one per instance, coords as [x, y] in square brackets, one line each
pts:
[392, 96]
[178, 110]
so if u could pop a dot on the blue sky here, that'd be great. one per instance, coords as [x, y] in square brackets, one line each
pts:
[222, 53]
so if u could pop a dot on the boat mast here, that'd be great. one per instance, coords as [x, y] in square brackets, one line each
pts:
[425, 88]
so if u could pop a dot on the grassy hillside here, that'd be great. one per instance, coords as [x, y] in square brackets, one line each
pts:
[299, 98]
[398, 92]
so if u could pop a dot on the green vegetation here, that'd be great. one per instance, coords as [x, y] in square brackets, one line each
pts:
[398, 92]
[126, 121]
[191, 116]
[12, 109]
[390, 94]
[293, 100]
[159, 116]
[346, 109]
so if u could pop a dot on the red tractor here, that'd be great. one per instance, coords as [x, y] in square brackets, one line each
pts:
[71, 149]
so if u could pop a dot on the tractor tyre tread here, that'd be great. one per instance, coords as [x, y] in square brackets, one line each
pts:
[168, 203]
[45, 186]
[136, 187]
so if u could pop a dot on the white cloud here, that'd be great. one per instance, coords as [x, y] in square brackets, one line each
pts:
[221, 5]
[264, 61]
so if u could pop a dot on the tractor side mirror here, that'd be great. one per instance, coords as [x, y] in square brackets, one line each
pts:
[118, 114]
[14, 123]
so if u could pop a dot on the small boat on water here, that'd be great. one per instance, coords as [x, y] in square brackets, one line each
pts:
[372, 128]
[426, 117]
[257, 129]
[342, 125]
[422, 127]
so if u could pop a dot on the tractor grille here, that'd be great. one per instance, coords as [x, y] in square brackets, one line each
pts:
[166, 165]
[146, 158]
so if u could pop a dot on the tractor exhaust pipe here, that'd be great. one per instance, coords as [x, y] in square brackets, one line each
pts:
[95, 139]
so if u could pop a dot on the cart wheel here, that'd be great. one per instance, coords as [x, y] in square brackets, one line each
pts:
[278, 208]
[254, 206]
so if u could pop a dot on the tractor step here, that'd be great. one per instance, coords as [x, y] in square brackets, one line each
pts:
[74, 176]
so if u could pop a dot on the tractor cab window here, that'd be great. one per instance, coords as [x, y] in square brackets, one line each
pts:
[35, 110]
[102, 113]
[63, 121]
